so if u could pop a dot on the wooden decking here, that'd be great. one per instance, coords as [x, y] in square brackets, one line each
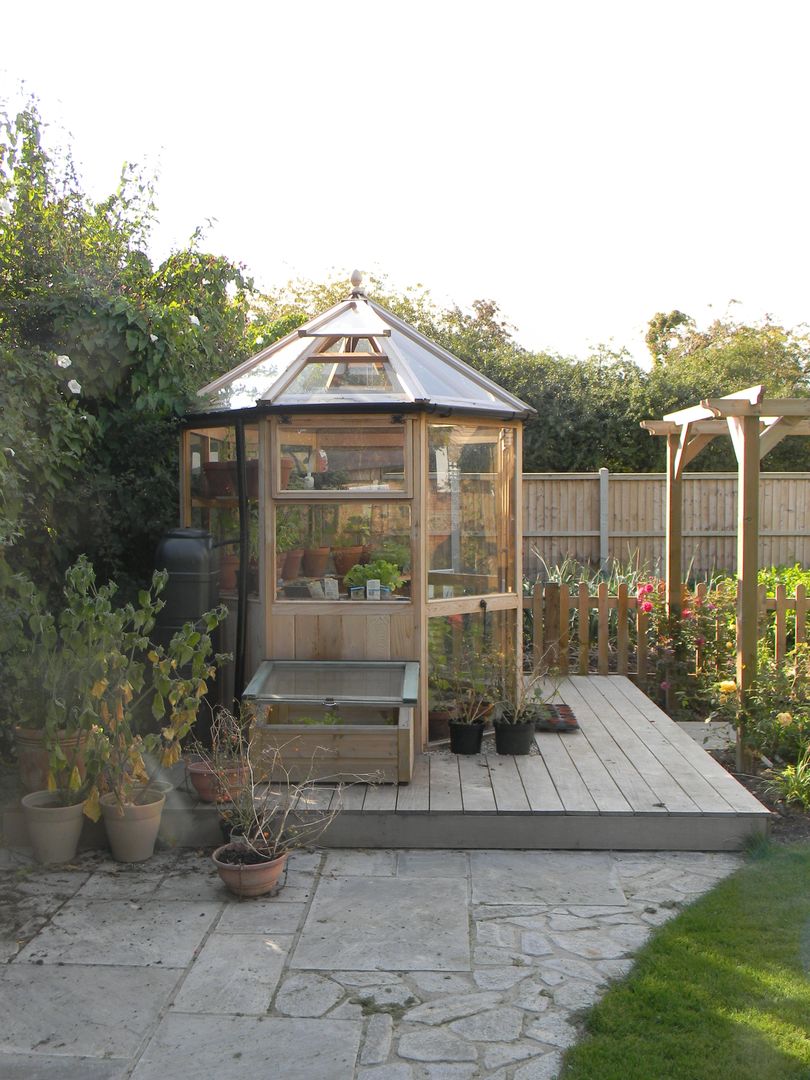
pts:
[629, 779]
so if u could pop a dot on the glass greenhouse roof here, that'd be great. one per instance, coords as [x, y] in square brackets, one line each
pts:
[356, 353]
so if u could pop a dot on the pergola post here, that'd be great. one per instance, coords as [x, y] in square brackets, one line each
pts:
[745, 435]
[674, 528]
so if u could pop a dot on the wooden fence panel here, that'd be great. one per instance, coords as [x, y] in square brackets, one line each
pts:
[562, 513]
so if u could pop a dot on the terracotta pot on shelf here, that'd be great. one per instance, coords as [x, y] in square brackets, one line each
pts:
[228, 565]
[347, 557]
[248, 878]
[220, 478]
[287, 466]
[292, 564]
[315, 561]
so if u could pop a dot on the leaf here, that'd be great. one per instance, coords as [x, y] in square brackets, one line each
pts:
[92, 805]
[158, 706]
[75, 781]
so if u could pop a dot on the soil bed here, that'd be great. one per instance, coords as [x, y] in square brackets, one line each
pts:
[790, 824]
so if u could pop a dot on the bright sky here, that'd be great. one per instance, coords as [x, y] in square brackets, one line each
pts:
[585, 164]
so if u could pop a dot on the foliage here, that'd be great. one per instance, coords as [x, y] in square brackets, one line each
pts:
[101, 351]
[720, 991]
[386, 573]
[465, 672]
[93, 669]
[793, 782]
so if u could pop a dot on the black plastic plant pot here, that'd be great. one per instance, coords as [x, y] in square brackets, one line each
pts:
[514, 738]
[466, 738]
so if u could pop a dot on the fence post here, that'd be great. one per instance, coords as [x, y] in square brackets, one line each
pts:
[551, 625]
[538, 630]
[604, 535]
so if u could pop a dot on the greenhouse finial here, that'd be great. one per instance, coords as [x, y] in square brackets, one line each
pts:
[357, 281]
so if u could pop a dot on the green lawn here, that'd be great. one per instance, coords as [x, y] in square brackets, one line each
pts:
[720, 993]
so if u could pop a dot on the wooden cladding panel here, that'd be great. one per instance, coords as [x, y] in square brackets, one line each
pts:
[344, 637]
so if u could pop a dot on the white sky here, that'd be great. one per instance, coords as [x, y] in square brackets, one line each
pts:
[585, 164]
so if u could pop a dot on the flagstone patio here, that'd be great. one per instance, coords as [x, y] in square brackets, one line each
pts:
[379, 965]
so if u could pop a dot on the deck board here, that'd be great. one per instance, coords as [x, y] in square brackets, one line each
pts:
[628, 779]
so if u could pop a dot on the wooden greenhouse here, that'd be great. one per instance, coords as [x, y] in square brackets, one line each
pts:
[363, 486]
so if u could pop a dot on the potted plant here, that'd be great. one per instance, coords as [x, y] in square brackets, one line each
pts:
[321, 532]
[474, 692]
[519, 712]
[218, 769]
[263, 820]
[386, 573]
[349, 548]
[289, 549]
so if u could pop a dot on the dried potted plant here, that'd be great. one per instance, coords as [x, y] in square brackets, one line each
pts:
[519, 712]
[264, 819]
[218, 769]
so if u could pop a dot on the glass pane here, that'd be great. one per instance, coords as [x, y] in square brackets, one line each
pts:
[471, 654]
[331, 682]
[330, 550]
[471, 514]
[371, 458]
[215, 500]
[341, 376]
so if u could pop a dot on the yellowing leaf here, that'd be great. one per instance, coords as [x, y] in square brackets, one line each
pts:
[51, 781]
[170, 756]
[98, 688]
[75, 781]
[92, 805]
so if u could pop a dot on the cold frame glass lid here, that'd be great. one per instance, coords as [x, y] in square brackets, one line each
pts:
[324, 682]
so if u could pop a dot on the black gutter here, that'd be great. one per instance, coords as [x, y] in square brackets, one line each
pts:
[241, 601]
[228, 417]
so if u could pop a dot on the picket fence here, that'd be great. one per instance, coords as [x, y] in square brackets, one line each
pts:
[564, 635]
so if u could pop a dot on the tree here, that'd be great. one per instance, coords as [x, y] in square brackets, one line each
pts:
[101, 352]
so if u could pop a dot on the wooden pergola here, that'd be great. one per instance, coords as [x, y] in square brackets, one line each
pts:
[756, 425]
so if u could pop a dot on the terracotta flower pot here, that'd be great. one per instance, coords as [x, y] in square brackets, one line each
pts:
[347, 557]
[292, 564]
[315, 560]
[132, 829]
[210, 784]
[244, 877]
[32, 756]
[53, 829]
[228, 565]
[220, 478]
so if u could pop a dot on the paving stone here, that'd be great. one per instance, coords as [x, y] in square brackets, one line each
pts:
[307, 995]
[305, 860]
[577, 994]
[554, 877]
[624, 919]
[594, 911]
[39, 1067]
[234, 973]
[82, 1011]
[435, 1045]
[432, 864]
[377, 1045]
[497, 933]
[571, 922]
[198, 884]
[568, 967]
[538, 923]
[593, 944]
[90, 932]
[395, 1071]
[508, 1053]
[438, 982]
[360, 863]
[508, 911]
[552, 1028]
[261, 917]
[364, 978]
[499, 978]
[534, 997]
[383, 923]
[444, 1071]
[444, 1009]
[390, 994]
[297, 1049]
[130, 886]
[492, 1026]
[488, 954]
[546, 1067]
[631, 936]
[615, 969]
[535, 944]
[291, 894]
[347, 1010]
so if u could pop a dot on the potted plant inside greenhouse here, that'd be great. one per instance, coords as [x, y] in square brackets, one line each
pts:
[349, 548]
[262, 820]
[388, 574]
